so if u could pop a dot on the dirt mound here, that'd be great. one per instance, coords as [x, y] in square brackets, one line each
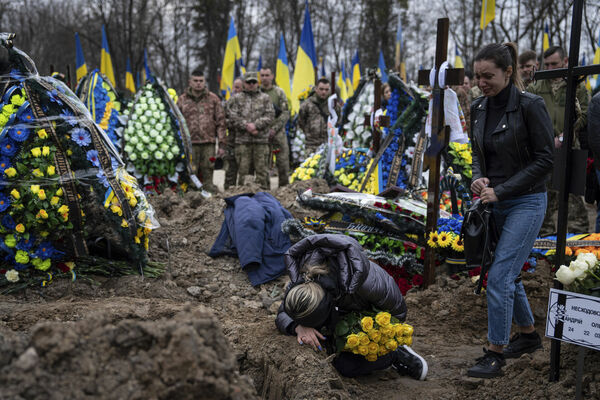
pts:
[184, 357]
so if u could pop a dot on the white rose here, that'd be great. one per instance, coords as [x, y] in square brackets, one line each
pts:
[169, 155]
[159, 126]
[133, 156]
[12, 276]
[146, 139]
[589, 258]
[142, 100]
[128, 148]
[148, 113]
[153, 133]
[159, 139]
[152, 146]
[143, 119]
[134, 140]
[579, 267]
[161, 106]
[140, 147]
[138, 126]
[153, 107]
[565, 275]
[164, 147]
[158, 155]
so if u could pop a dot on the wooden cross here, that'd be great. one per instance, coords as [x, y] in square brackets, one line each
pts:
[573, 74]
[440, 135]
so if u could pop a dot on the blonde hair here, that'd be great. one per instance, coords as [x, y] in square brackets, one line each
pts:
[304, 298]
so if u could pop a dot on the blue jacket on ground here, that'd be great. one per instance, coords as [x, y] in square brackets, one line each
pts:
[252, 232]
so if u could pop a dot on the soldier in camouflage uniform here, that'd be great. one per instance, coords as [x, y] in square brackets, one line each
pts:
[205, 119]
[554, 94]
[312, 117]
[277, 136]
[230, 166]
[251, 113]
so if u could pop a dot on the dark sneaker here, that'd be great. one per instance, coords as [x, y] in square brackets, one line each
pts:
[408, 362]
[522, 343]
[488, 366]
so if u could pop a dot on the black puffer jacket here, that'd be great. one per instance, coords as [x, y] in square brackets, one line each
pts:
[593, 128]
[524, 139]
[362, 284]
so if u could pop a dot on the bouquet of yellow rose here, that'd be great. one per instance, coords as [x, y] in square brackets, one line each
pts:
[371, 334]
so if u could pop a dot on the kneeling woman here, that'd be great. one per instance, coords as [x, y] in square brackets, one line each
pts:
[330, 275]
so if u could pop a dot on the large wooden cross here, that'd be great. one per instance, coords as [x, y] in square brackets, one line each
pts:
[573, 74]
[440, 135]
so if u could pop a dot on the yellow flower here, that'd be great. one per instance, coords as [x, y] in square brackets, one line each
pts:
[364, 339]
[50, 170]
[371, 357]
[352, 341]
[146, 242]
[41, 194]
[142, 216]
[457, 244]
[363, 350]
[444, 239]
[54, 200]
[366, 323]
[391, 345]
[59, 192]
[63, 209]
[20, 228]
[137, 240]
[374, 335]
[433, 239]
[69, 152]
[407, 330]
[36, 152]
[70, 264]
[15, 194]
[397, 329]
[42, 134]
[373, 347]
[45, 150]
[383, 318]
[36, 172]
[124, 223]
[116, 210]
[44, 233]
[387, 331]
[42, 214]
[34, 189]
[408, 341]
[10, 172]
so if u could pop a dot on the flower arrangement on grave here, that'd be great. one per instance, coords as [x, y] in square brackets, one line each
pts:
[582, 275]
[371, 334]
[62, 185]
[157, 144]
[312, 167]
[460, 158]
[298, 146]
[446, 239]
[104, 105]
[351, 168]
[356, 134]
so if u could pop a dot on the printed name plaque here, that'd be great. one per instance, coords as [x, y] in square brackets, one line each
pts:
[574, 318]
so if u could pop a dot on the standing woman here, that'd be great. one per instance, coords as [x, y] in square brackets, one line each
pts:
[512, 156]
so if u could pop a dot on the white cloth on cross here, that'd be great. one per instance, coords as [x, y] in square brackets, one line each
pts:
[334, 141]
[453, 117]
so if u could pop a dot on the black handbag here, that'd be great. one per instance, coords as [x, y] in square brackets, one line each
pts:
[479, 236]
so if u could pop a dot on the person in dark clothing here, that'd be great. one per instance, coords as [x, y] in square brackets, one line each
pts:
[593, 129]
[331, 275]
[513, 146]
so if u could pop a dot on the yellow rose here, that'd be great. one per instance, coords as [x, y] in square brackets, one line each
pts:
[383, 318]
[42, 134]
[363, 350]
[45, 150]
[20, 228]
[387, 331]
[364, 339]
[69, 152]
[36, 152]
[63, 209]
[366, 323]
[15, 194]
[10, 172]
[407, 330]
[397, 329]
[352, 341]
[59, 192]
[373, 348]
[374, 335]
[54, 200]
[391, 345]
[42, 214]
[371, 357]
[41, 194]
[50, 170]
[124, 223]
[34, 189]
[36, 172]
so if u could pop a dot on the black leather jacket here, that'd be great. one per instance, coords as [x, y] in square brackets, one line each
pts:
[524, 139]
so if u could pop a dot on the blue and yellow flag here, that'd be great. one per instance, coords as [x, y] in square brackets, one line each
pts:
[232, 55]
[106, 66]
[488, 12]
[597, 59]
[546, 42]
[348, 81]
[355, 71]
[458, 62]
[341, 83]
[322, 74]
[80, 65]
[282, 71]
[381, 68]
[129, 83]
[398, 41]
[147, 74]
[306, 62]
[259, 67]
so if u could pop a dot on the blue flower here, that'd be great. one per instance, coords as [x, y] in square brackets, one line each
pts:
[81, 137]
[19, 133]
[102, 178]
[8, 147]
[92, 156]
[45, 250]
[53, 96]
[69, 118]
[26, 244]
[8, 222]
[25, 114]
[4, 164]
[4, 202]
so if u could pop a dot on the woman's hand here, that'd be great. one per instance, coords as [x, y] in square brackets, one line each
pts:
[311, 336]
[478, 185]
[488, 195]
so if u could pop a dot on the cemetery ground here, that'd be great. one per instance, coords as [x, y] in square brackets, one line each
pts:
[201, 331]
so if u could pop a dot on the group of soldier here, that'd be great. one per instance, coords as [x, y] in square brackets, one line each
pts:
[249, 128]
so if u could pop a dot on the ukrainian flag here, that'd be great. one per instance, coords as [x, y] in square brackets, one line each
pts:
[80, 65]
[129, 83]
[355, 71]
[597, 59]
[341, 82]
[488, 12]
[458, 62]
[381, 68]
[323, 73]
[147, 75]
[232, 55]
[282, 71]
[259, 67]
[306, 62]
[348, 81]
[546, 43]
[106, 66]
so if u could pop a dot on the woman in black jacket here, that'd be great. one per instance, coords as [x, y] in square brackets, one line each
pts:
[512, 156]
[330, 275]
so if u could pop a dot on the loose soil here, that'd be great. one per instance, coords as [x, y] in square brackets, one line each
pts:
[201, 331]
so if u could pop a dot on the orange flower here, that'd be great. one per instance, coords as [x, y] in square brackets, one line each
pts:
[568, 251]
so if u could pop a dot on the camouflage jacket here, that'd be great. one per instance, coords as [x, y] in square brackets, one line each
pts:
[250, 107]
[280, 104]
[312, 119]
[554, 94]
[204, 116]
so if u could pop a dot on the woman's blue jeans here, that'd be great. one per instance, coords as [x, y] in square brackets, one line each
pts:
[518, 221]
